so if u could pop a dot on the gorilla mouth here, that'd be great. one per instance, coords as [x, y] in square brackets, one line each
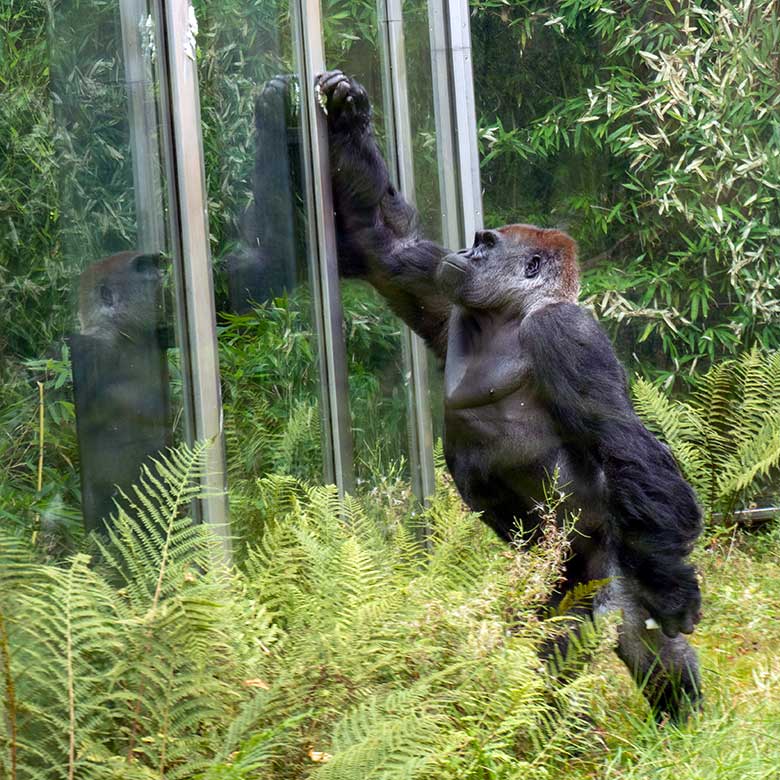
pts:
[452, 273]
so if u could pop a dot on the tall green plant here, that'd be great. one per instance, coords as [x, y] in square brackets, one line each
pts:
[343, 648]
[726, 435]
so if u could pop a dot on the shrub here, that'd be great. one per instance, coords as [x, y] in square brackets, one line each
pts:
[341, 649]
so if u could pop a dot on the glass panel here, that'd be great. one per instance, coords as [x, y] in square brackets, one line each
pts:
[427, 183]
[90, 378]
[377, 379]
[427, 192]
[251, 120]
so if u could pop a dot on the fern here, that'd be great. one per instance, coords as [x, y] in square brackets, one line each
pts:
[726, 435]
[343, 647]
[110, 663]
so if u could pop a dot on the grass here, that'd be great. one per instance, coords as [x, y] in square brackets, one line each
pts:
[737, 736]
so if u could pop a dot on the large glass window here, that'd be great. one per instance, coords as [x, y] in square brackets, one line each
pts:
[378, 378]
[253, 136]
[90, 366]
[106, 338]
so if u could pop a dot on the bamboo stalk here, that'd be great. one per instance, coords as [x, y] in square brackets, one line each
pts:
[41, 441]
[40, 436]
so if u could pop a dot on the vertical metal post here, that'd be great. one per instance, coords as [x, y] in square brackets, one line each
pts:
[322, 243]
[138, 45]
[191, 253]
[401, 163]
[456, 122]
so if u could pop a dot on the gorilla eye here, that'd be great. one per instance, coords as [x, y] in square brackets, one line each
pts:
[486, 238]
[532, 266]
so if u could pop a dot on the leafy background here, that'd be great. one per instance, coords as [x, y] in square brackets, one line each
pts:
[339, 646]
[650, 131]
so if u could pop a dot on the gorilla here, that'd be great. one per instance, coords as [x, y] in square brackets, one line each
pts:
[532, 388]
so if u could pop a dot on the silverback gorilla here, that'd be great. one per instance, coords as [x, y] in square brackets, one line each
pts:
[532, 387]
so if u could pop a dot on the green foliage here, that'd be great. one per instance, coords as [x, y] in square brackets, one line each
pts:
[649, 130]
[33, 276]
[96, 653]
[271, 387]
[726, 435]
[343, 648]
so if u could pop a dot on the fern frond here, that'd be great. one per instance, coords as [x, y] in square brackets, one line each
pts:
[659, 412]
[581, 594]
[68, 647]
[724, 436]
[755, 457]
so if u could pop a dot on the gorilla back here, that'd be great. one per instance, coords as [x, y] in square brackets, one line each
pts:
[532, 389]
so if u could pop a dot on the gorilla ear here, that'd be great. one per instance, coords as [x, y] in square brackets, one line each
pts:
[147, 265]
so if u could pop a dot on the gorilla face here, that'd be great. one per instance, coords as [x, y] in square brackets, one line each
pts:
[514, 269]
[121, 295]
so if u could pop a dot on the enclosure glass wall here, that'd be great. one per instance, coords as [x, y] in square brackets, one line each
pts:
[91, 373]
[110, 320]
[253, 131]
[378, 368]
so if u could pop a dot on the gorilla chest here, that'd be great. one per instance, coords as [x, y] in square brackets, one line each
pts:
[511, 438]
[494, 421]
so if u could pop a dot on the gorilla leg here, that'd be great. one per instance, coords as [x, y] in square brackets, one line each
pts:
[576, 619]
[665, 668]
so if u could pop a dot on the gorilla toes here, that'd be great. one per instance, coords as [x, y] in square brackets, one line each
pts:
[345, 101]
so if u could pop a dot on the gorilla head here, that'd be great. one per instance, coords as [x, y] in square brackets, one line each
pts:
[121, 296]
[515, 269]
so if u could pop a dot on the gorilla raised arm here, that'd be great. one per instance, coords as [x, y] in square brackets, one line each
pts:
[532, 388]
[377, 230]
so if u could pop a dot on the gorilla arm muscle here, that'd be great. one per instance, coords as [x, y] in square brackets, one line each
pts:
[654, 518]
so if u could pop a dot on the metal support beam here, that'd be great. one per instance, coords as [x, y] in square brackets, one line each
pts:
[456, 122]
[401, 164]
[329, 321]
[186, 181]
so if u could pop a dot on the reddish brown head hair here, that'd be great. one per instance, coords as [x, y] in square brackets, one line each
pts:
[554, 242]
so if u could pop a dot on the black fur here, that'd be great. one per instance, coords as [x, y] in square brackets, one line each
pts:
[532, 386]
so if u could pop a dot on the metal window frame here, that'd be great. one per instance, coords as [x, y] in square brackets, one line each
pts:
[456, 121]
[401, 164]
[326, 292]
[144, 131]
[192, 268]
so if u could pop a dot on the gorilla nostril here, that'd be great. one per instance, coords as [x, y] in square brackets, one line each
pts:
[485, 238]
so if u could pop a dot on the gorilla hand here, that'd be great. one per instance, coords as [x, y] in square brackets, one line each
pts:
[345, 102]
[676, 608]
[279, 98]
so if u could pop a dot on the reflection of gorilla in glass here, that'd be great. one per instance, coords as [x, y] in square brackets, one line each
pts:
[265, 264]
[532, 387]
[120, 377]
